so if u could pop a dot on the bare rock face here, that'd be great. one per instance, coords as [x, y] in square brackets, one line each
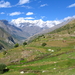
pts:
[5, 39]
[1, 46]
[5, 36]
[10, 40]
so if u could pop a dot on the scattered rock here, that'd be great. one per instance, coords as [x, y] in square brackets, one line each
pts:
[43, 71]
[22, 72]
[55, 62]
[49, 49]
[54, 68]
[52, 51]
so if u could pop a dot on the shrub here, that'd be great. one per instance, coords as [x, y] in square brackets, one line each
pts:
[2, 67]
[16, 45]
[4, 53]
[44, 44]
[24, 43]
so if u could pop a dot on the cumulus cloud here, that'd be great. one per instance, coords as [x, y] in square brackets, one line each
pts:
[4, 4]
[2, 13]
[16, 13]
[29, 13]
[21, 2]
[43, 5]
[72, 5]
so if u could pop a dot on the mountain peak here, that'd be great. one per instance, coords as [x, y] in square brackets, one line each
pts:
[40, 23]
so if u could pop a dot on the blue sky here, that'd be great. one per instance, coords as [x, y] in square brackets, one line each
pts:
[36, 9]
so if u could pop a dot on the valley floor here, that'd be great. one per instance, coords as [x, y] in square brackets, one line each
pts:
[56, 58]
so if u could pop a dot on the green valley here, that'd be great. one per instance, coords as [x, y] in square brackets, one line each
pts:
[56, 57]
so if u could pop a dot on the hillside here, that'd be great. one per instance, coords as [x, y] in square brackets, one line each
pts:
[56, 57]
[21, 32]
[6, 40]
[12, 30]
[50, 29]
[69, 28]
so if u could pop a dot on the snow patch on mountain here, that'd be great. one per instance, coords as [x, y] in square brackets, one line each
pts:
[20, 22]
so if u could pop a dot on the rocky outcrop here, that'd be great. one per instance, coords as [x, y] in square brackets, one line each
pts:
[1, 46]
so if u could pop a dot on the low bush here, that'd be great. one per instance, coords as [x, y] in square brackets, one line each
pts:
[2, 67]
[24, 43]
[4, 53]
[16, 45]
[44, 44]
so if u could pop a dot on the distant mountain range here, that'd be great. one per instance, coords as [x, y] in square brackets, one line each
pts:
[40, 23]
[22, 30]
[50, 29]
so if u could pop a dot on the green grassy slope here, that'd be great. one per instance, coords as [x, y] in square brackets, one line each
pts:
[56, 58]
[69, 28]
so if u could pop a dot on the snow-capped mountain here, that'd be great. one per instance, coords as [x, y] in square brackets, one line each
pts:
[33, 26]
[22, 22]
[40, 23]
[22, 29]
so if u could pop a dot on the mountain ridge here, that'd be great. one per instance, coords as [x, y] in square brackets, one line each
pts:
[27, 28]
[51, 29]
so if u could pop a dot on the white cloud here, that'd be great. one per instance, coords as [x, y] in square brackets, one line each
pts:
[43, 5]
[4, 4]
[29, 13]
[2, 13]
[28, 7]
[42, 17]
[23, 2]
[16, 13]
[72, 5]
